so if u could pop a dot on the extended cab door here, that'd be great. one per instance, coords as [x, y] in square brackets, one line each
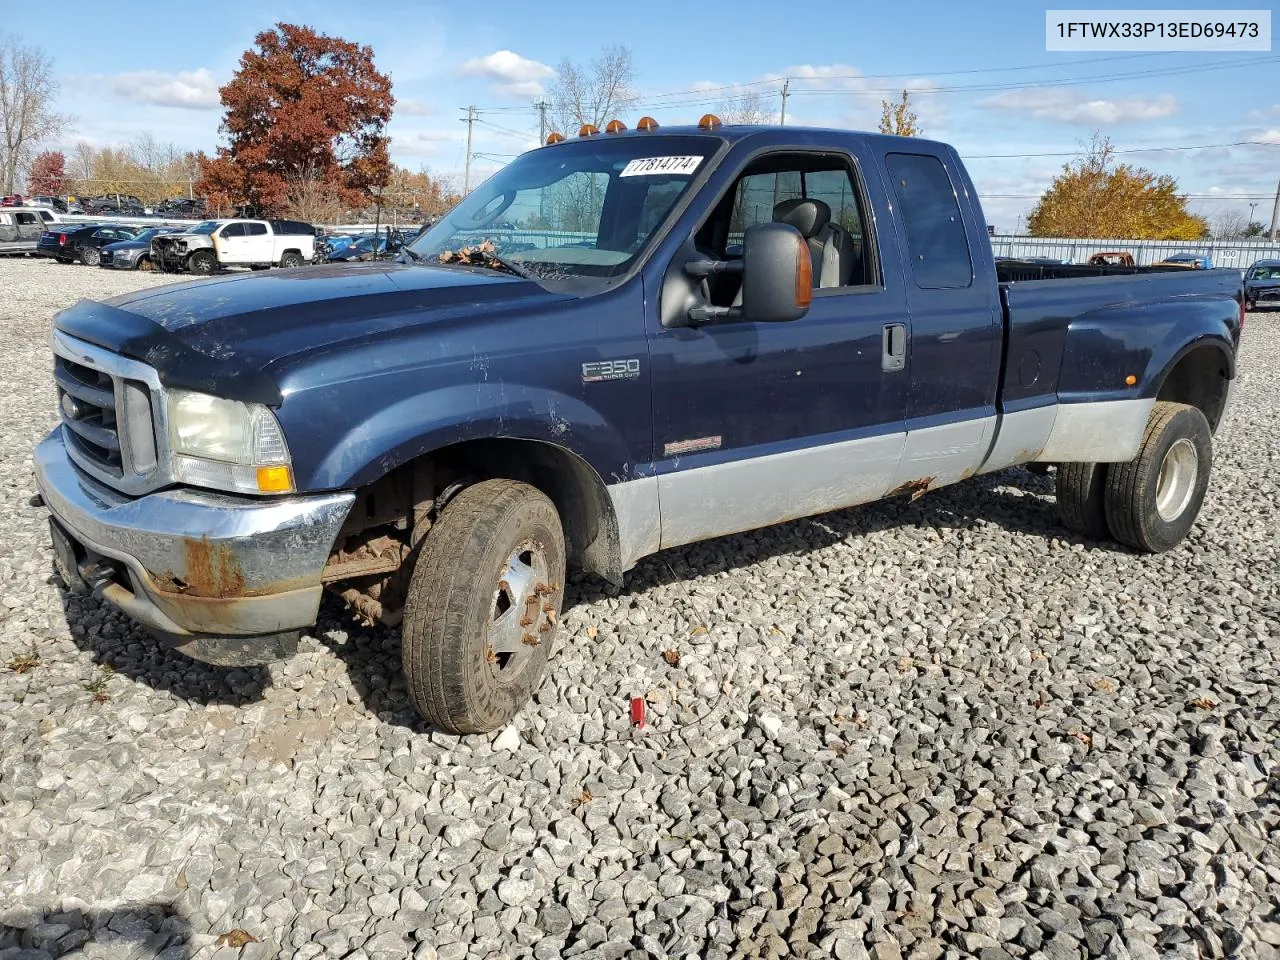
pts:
[954, 306]
[756, 423]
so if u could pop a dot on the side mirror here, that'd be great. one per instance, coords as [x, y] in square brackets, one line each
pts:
[777, 277]
[777, 273]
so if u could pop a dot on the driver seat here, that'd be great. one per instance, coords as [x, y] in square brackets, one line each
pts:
[831, 247]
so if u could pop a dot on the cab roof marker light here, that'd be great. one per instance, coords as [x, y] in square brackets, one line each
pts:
[709, 121]
[615, 126]
[588, 130]
[554, 137]
[647, 124]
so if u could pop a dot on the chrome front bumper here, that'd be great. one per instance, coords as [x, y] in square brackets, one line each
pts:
[221, 577]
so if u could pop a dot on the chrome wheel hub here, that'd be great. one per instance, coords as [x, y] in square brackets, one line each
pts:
[523, 613]
[1177, 480]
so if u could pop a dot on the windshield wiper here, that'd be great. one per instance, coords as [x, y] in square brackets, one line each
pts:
[484, 255]
[413, 254]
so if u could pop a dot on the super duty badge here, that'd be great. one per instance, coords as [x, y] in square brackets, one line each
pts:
[610, 370]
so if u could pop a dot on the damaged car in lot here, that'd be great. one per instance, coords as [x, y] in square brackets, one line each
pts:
[214, 244]
[746, 325]
[134, 254]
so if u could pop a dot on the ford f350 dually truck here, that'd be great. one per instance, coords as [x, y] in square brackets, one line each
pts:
[622, 342]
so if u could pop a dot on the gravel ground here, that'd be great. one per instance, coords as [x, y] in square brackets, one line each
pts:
[920, 730]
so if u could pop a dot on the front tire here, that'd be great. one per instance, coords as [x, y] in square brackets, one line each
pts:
[145, 265]
[203, 262]
[1153, 500]
[90, 256]
[483, 604]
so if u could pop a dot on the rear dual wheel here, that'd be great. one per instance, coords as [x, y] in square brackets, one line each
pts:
[1150, 502]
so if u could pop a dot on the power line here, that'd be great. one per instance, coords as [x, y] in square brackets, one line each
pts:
[659, 99]
[1076, 153]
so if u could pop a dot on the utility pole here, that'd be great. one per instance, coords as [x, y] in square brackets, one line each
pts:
[786, 85]
[542, 106]
[1275, 215]
[466, 176]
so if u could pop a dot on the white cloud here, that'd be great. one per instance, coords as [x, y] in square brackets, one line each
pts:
[189, 89]
[509, 73]
[421, 143]
[411, 107]
[1069, 106]
[1269, 136]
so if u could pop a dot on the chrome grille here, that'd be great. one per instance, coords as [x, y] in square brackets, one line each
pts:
[87, 405]
[110, 413]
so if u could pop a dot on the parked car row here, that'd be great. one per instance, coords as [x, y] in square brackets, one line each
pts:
[344, 248]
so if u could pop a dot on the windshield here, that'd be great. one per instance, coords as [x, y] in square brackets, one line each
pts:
[147, 234]
[579, 210]
[208, 226]
[1268, 272]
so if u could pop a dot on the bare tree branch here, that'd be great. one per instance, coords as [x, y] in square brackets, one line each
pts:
[748, 108]
[27, 89]
[593, 93]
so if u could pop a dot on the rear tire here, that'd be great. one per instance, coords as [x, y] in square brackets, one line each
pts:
[290, 260]
[90, 256]
[483, 604]
[1153, 500]
[202, 262]
[1081, 489]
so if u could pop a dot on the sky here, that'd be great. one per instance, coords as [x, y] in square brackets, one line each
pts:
[979, 73]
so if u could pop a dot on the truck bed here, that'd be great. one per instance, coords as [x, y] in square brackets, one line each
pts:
[1010, 271]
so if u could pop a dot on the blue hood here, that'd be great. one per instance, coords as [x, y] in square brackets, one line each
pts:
[235, 335]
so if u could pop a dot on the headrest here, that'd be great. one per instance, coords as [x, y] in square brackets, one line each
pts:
[807, 216]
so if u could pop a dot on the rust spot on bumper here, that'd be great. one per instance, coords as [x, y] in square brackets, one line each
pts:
[212, 570]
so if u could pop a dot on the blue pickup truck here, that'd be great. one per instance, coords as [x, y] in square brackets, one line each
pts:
[622, 342]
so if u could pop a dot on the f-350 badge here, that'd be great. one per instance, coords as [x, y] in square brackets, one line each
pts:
[610, 370]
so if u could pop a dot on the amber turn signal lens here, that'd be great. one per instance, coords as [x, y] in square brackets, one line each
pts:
[646, 124]
[615, 126]
[709, 121]
[804, 275]
[1130, 380]
[588, 130]
[554, 137]
[277, 479]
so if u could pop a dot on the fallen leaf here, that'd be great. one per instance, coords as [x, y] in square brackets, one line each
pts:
[1202, 703]
[1084, 738]
[583, 797]
[699, 631]
[236, 938]
[592, 632]
[672, 657]
[1105, 684]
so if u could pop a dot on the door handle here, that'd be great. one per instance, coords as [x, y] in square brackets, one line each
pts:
[894, 353]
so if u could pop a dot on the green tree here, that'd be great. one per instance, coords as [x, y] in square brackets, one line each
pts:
[1095, 197]
[898, 118]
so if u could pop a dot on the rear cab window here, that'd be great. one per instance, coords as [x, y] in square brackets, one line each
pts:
[937, 248]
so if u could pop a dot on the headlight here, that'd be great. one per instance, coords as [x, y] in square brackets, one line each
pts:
[226, 444]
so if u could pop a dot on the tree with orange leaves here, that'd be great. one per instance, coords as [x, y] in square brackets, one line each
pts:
[306, 114]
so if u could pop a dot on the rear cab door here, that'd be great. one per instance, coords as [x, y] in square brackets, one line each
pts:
[953, 301]
[260, 243]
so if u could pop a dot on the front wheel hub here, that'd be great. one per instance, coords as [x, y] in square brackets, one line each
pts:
[523, 615]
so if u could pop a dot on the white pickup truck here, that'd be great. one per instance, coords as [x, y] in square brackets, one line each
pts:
[213, 244]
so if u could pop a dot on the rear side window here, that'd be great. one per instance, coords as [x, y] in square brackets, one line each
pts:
[255, 229]
[936, 241]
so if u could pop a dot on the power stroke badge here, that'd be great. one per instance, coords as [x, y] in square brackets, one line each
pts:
[610, 370]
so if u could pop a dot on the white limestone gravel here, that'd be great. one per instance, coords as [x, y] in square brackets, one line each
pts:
[914, 730]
